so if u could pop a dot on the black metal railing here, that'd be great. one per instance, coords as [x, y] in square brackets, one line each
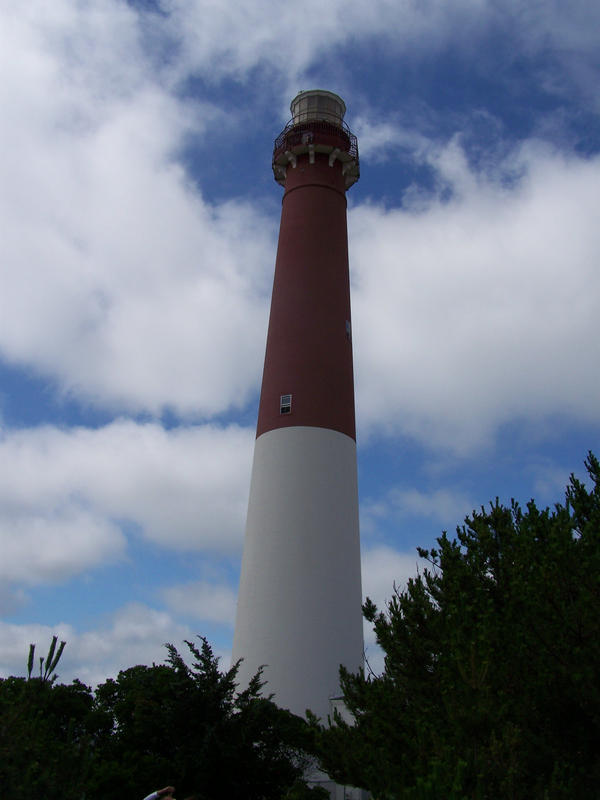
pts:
[316, 131]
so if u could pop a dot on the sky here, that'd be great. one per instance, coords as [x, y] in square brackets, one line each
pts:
[138, 231]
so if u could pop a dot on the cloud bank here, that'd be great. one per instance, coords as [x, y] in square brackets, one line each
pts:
[475, 304]
[64, 494]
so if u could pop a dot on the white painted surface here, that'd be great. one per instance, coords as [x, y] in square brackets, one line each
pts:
[299, 603]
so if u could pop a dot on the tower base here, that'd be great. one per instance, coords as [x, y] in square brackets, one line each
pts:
[299, 604]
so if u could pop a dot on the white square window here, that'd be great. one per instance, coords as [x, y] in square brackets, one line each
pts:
[285, 404]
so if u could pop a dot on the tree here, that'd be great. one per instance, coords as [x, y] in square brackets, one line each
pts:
[492, 655]
[46, 732]
[187, 726]
[169, 724]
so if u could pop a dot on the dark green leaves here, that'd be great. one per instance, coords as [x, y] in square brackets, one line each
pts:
[182, 723]
[492, 657]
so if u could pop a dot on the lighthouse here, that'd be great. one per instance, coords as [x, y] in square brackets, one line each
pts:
[299, 602]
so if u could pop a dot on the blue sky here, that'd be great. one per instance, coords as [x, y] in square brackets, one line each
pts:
[139, 229]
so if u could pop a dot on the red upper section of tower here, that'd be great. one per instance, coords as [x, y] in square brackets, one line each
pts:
[308, 373]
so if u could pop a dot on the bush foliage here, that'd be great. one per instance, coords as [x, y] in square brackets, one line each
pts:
[170, 724]
[492, 656]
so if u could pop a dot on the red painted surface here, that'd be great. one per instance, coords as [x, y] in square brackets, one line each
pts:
[309, 352]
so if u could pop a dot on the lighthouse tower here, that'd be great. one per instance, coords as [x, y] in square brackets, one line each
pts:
[299, 603]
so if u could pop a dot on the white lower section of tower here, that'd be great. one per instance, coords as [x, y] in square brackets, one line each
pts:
[299, 603]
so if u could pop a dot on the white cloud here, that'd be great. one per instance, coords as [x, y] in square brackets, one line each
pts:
[224, 40]
[550, 479]
[204, 601]
[15, 641]
[135, 635]
[480, 309]
[116, 278]
[120, 282]
[383, 570]
[63, 492]
[12, 598]
[379, 141]
[447, 506]
[441, 504]
[55, 544]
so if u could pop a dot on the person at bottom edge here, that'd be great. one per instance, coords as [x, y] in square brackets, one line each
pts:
[166, 792]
